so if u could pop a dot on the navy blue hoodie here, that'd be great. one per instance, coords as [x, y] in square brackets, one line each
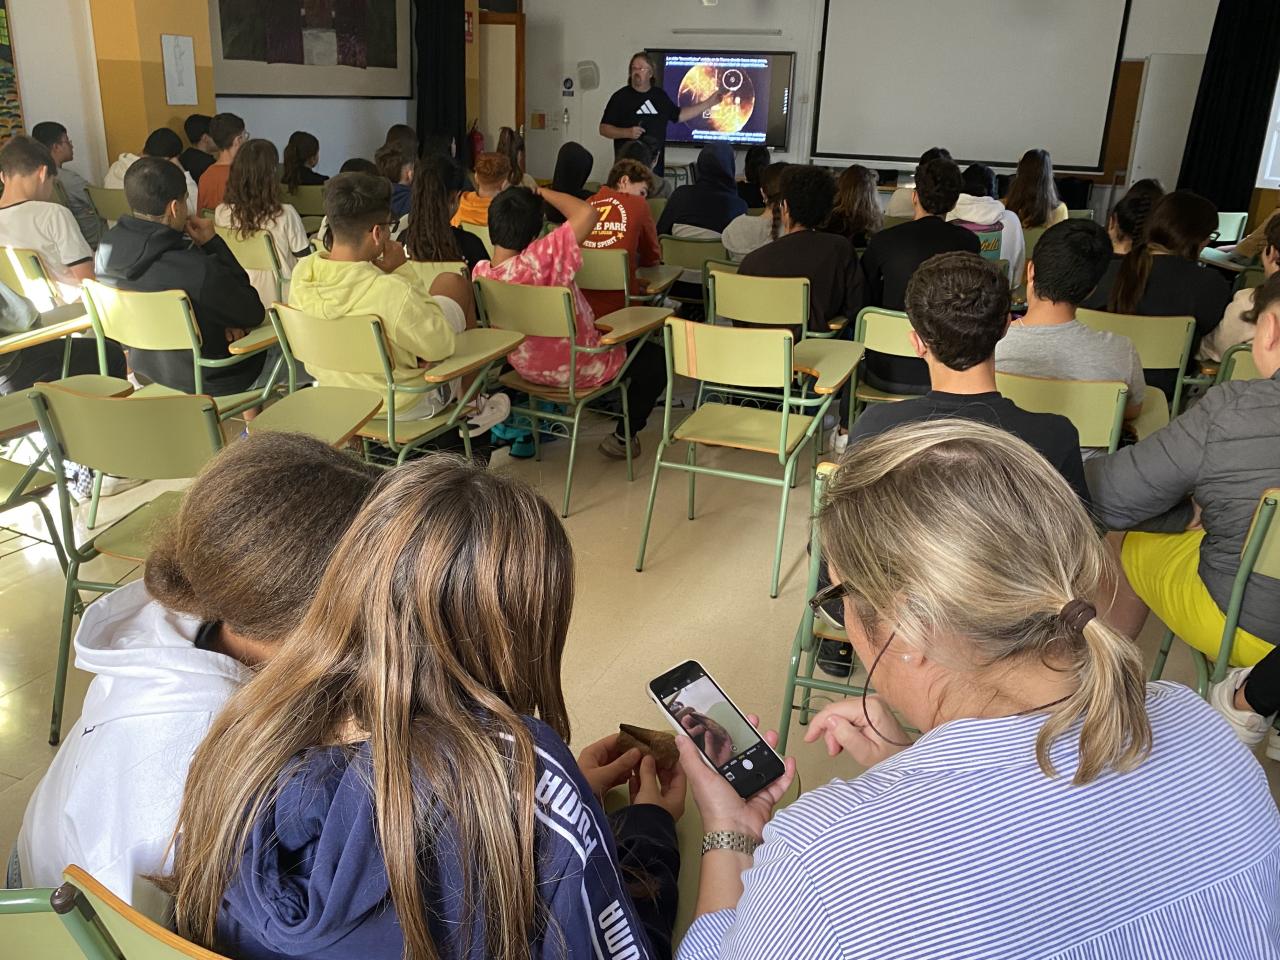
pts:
[313, 882]
[712, 201]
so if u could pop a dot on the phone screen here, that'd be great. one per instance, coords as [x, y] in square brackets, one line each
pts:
[699, 708]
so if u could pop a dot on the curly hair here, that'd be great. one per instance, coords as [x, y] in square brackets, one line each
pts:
[437, 182]
[253, 187]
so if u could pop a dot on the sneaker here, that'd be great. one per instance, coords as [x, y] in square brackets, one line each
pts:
[835, 658]
[522, 449]
[487, 412]
[837, 442]
[113, 485]
[1248, 726]
[82, 484]
[615, 448]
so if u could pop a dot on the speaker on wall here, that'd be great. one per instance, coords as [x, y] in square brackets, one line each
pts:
[588, 75]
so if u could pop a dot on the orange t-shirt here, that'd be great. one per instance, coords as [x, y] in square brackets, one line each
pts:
[213, 187]
[472, 208]
[623, 223]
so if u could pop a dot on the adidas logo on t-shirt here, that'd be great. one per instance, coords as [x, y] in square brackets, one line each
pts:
[648, 108]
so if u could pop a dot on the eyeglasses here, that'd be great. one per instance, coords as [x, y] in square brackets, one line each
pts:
[829, 603]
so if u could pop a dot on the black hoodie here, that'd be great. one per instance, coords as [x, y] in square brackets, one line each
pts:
[711, 202]
[148, 256]
[573, 167]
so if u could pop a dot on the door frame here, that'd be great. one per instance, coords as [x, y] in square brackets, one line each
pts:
[516, 20]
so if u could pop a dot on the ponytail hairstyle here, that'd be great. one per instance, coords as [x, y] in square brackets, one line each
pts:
[857, 210]
[253, 187]
[433, 635]
[299, 153]
[511, 146]
[1180, 224]
[1129, 216]
[438, 183]
[965, 542]
[1032, 194]
[771, 188]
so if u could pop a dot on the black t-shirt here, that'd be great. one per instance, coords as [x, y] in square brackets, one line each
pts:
[829, 263]
[1054, 436]
[195, 162]
[889, 261]
[651, 109]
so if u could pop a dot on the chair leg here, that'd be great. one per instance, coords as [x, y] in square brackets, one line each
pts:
[93, 501]
[536, 429]
[648, 513]
[465, 432]
[626, 433]
[782, 528]
[1162, 655]
[573, 451]
[54, 539]
[1202, 673]
[69, 601]
[691, 458]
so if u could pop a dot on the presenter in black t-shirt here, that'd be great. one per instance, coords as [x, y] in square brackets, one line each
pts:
[641, 111]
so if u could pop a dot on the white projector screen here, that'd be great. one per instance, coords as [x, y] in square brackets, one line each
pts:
[987, 79]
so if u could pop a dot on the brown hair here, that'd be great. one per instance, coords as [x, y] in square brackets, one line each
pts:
[299, 153]
[356, 202]
[1179, 224]
[966, 541]
[633, 170]
[511, 146]
[392, 158]
[1032, 194]
[1272, 234]
[253, 187]
[255, 531]
[771, 189]
[23, 156]
[492, 169]
[428, 236]
[857, 210]
[438, 627]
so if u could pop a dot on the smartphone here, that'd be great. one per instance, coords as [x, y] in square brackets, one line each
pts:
[696, 706]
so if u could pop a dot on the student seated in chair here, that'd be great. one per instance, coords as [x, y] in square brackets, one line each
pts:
[162, 143]
[520, 255]
[1187, 494]
[198, 157]
[31, 220]
[160, 246]
[228, 134]
[357, 277]
[75, 188]
[1049, 341]
[702, 209]
[977, 209]
[438, 184]
[228, 581]
[491, 172]
[1237, 320]
[395, 162]
[624, 223]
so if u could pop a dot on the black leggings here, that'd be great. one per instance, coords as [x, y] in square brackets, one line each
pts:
[43, 363]
[1262, 689]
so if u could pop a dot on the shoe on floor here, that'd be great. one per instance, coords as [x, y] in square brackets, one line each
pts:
[835, 658]
[487, 412]
[82, 484]
[1248, 726]
[837, 442]
[113, 485]
[615, 448]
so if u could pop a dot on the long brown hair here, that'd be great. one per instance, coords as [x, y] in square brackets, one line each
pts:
[299, 152]
[253, 187]
[857, 211]
[437, 183]
[1179, 224]
[1033, 195]
[511, 146]
[439, 624]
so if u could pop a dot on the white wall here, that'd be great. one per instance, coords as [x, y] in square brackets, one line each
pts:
[58, 75]
[345, 128]
[1169, 26]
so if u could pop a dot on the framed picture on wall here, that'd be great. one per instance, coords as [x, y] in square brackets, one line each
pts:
[311, 48]
[10, 101]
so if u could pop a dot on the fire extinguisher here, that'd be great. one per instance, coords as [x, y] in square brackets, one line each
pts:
[475, 141]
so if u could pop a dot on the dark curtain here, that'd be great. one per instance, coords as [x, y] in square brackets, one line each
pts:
[1234, 103]
[440, 38]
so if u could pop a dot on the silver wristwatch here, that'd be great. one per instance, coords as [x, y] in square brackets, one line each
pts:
[729, 840]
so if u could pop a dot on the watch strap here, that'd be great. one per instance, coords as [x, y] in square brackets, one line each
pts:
[729, 840]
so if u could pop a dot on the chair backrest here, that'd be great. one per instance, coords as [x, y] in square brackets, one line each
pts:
[138, 936]
[1163, 343]
[426, 271]
[1238, 364]
[308, 201]
[769, 301]
[1267, 560]
[989, 241]
[894, 222]
[656, 206]
[533, 311]
[1096, 407]
[1248, 278]
[690, 253]
[111, 204]
[604, 270]
[1231, 226]
[1031, 236]
[25, 274]
[345, 345]
[256, 251]
[160, 320]
[1080, 214]
[150, 438]
[31, 927]
[482, 233]
[732, 356]
[884, 331]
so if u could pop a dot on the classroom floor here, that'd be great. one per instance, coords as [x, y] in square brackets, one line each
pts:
[704, 594]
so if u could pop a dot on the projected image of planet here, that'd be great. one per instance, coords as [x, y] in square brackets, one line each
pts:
[733, 112]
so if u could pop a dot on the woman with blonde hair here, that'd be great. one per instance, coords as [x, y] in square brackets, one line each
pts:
[1049, 776]
[253, 204]
[402, 786]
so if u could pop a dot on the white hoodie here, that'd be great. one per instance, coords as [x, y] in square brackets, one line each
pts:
[110, 799]
[114, 180]
[989, 210]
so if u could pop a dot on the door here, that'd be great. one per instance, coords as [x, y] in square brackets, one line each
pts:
[501, 74]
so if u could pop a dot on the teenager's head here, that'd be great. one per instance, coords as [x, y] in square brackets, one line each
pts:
[438, 183]
[301, 153]
[434, 635]
[753, 164]
[938, 186]
[196, 127]
[26, 167]
[163, 143]
[636, 150]
[404, 135]
[630, 176]
[395, 162]
[511, 146]
[253, 187]
[1265, 316]
[1271, 252]
[935, 153]
[515, 218]
[856, 200]
[359, 165]
[439, 143]
[1032, 194]
[807, 195]
[358, 209]
[978, 180]
[157, 190]
[641, 71]
[248, 545]
[1179, 225]
[959, 309]
[54, 136]
[1127, 223]
[492, 172]
[1069, 260]
[227, 132]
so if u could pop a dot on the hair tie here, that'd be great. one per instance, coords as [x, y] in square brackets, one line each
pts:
[1076, 613]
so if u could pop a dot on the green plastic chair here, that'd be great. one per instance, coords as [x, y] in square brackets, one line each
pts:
[1261, 556]
[22, 271]
[1231, 227]
[255, 251]
[692, 255]
[989, 244]
[895, 222]
[332, 415]
[110, 204]
[708, 268]
[53, 924]
[307, 200]
[357, 345]
[748, 359]
[1163, 343]
[482, 232]
[884, 331]
[759, 301]
[1031, 236]
[1095, 407]
[1080, 214]
[1238, 364]
[426, 271]
[656, 206]
[548, 312]
[148, 438]
[1248, 278]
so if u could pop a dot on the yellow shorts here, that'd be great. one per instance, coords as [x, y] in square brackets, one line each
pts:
[1161, 568]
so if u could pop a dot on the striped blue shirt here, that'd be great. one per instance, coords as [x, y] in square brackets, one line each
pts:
[960, 847]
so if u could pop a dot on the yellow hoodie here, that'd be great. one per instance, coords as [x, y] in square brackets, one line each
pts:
[414, 325]
[472, 208]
